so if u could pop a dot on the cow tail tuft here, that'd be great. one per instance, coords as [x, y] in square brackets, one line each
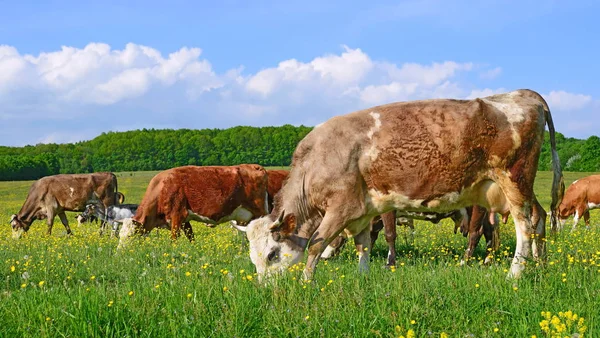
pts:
[558, 183]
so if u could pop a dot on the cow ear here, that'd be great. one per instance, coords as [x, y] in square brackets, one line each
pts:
[284, 224]
[275, 226]
[13, 217]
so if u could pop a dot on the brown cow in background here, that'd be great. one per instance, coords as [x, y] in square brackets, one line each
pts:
[211, 195]
[53, 195]
[580, 197]
[276, 180]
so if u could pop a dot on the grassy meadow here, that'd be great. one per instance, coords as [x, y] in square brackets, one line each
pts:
[79, 286]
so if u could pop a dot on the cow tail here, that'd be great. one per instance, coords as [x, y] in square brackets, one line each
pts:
[558, 183]
[116, 189]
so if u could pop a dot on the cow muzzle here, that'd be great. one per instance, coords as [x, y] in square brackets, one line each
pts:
[17, 233]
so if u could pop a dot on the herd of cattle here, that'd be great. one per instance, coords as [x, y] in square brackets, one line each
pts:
[351, 176]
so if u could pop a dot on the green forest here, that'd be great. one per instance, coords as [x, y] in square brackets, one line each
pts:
[151, 149]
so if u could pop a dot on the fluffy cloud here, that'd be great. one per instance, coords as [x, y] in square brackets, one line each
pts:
[342, 71]
[562, 100]
[97, 74]
[77, 93]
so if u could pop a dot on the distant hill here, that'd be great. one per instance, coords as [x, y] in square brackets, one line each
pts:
[151, 149]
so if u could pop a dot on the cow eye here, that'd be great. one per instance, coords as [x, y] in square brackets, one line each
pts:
[273, 256]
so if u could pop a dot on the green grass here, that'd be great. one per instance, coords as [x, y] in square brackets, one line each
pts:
[80, 287]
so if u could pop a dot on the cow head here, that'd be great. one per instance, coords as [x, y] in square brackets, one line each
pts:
[18, 226]
[81, 219]
[255, 182]
[563, 212]
[271, 247]
[90, 209]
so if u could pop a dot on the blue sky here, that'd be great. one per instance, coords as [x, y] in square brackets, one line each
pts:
[71, 70]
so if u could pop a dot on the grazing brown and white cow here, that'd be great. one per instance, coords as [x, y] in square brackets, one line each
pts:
[211, 194]
[581, 197]
[276, 179]
[53, 195]
[433, 155]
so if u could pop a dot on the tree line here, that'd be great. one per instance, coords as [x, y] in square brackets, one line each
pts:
[151, 149]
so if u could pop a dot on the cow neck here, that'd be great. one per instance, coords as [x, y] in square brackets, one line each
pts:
[28, 211]
[294, 199]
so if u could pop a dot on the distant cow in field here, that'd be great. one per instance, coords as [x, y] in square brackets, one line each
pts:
[113, 215]
[581, 197]
[91, 218]
[211, 195]
[276, 179]
[53, 195]
[421, 156]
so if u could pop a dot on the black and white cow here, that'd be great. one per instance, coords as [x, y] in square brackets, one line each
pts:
[113, 214]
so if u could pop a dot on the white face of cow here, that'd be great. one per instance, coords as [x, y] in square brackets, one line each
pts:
[18, 227]
[269, 255]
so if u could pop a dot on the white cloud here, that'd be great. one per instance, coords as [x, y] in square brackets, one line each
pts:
[427, 75]
[97, 74]
[394, 91]
[344, 70]
[561, 100]
[479, 93]
[75, 93]
[491, 73]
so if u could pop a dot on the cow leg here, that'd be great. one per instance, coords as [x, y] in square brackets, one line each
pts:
[474, 237]
[362, 241]
[491, 232]
[578, 213]
[389, 227]
[331, 226]
[375, 229]
[188, 231]
[175, 225]
[410, 238]
[65, 222]
[586, 218]
[50, 222]
[334, 248]
[102, 228]
[531, 231]
[473, 229]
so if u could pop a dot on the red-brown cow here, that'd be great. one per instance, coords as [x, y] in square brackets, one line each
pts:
[421, 156]
[53, 195]
[211, 195]
[276, 180]
[581, 197]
